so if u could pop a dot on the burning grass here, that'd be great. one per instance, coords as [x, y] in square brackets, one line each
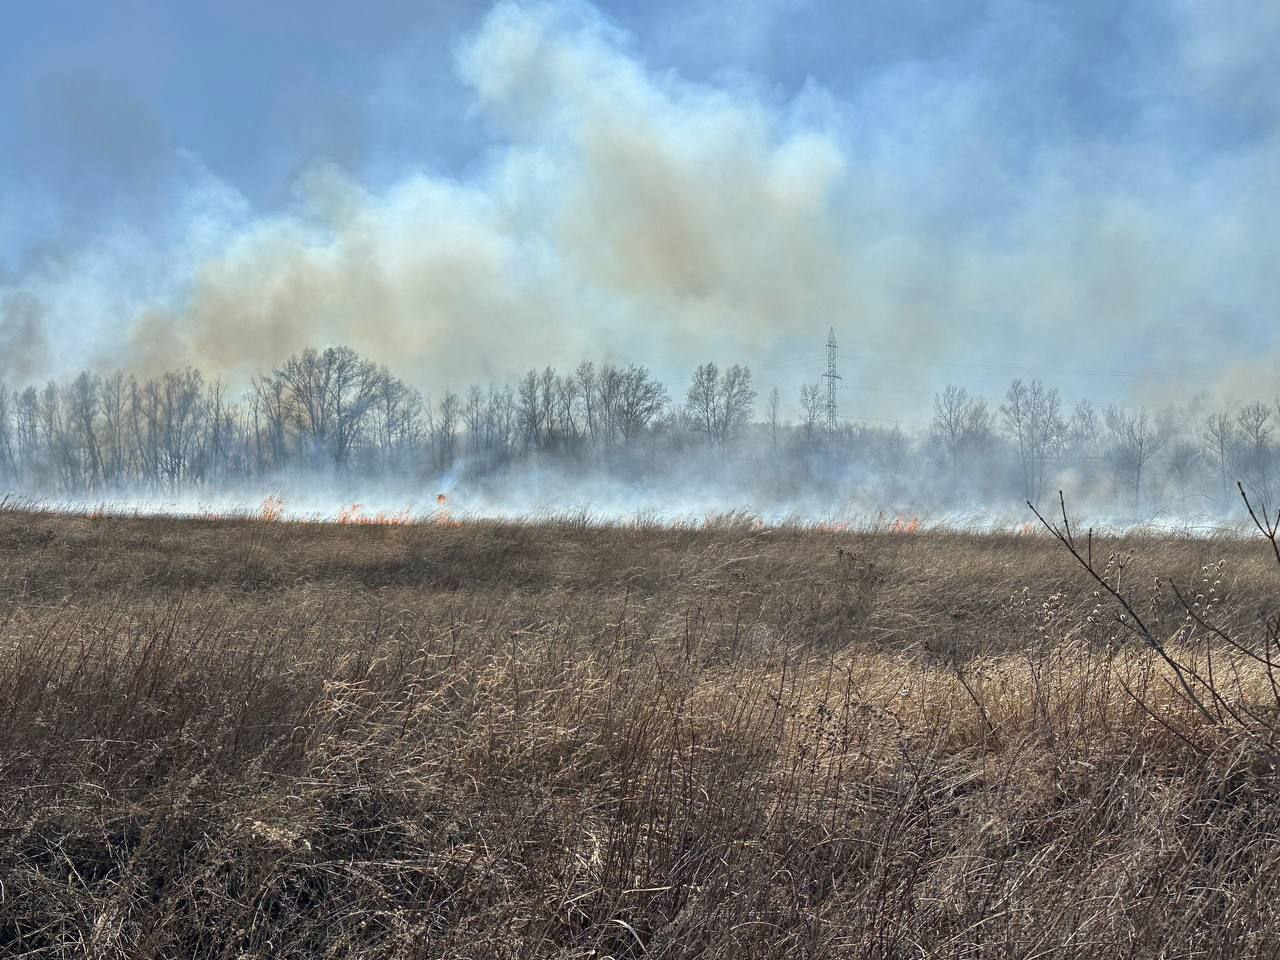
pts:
[246, 738]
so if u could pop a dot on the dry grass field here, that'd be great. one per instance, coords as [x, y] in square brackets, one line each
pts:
[243, 738]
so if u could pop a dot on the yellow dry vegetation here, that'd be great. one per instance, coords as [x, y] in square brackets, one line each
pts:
[247, 738]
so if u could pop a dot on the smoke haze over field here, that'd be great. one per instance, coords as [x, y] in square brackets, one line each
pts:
[1082, 193]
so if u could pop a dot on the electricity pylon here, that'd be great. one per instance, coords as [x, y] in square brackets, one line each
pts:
[833, 378]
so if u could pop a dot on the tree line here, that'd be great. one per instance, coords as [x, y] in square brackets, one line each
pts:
[336, 413]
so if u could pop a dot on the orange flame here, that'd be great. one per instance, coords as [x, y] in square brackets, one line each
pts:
[442, 517]
[354, 515]
[906, 525]
[272, 508]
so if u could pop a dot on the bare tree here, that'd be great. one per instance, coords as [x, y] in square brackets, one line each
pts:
[1254, 421]
[588, 391]
[444, 430]
[962, 424]
[326, 397]
[114, 393]
[530, 411]
[1184, 464]
[1254, 454]
[270, 415]
[720, 402]
[568, 408]
[547, 407]
[1134, 443]
[397, 421]
[503, 419]
[640, 400]
[773, 404]
[1083, 431]
[812, 409]
[8, 457]
[177, 419]
[702, 399]
[334, 409]
[473, 418]
[32, 461]
[1218, 437]
[82, 414]
[1034, 425]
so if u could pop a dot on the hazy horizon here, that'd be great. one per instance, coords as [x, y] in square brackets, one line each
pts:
[1082, 195]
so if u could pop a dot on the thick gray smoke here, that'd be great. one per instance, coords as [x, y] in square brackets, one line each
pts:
[24, 343]
[624, 211]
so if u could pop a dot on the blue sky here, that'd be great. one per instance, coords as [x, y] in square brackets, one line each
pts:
[103, 99]
[987, 179]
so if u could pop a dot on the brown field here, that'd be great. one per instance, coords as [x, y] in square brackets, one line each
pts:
[243, 738]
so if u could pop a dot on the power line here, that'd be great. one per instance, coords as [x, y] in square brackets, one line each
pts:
[1131, 404]
[1015, 368]
[834, 379]
[893, 420]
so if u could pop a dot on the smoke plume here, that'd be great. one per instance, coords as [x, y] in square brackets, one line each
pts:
[626, 211]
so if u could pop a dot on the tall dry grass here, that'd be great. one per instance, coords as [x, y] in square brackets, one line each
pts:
[248, 739]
